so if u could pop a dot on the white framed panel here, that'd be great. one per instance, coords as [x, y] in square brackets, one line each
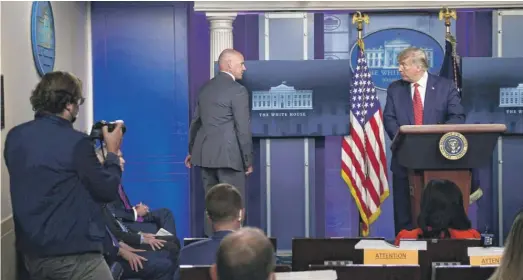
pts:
[507, 37]
[506, 42]
[268, 22]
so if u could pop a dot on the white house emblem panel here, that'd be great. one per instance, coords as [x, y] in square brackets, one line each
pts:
[282, 97]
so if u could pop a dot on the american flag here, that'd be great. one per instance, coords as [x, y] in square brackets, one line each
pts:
[364, 164]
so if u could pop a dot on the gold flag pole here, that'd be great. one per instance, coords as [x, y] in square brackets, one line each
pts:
[359, 19]
[446, 14]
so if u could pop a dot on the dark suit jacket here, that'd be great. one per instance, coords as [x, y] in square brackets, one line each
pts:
[131, 237]
[220, 134]
[201, 252]
[442, 105]
[118, 208]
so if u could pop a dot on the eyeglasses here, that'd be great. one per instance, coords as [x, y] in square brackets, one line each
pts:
[81, 101]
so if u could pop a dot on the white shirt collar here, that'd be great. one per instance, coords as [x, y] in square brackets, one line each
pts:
[423, 81]
[229, 75]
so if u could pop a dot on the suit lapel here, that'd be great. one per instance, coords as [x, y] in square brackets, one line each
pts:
[407, 100]
[430, 100]
[126, 197]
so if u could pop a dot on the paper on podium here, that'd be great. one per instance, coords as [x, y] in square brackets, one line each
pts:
[307, 275]
[419, 245]
[374, 244]
[485, 256]
[381, 252]
[485, 251]
[163, 232]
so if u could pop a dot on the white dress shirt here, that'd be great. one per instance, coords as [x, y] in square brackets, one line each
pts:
[229, 75]
[422, 88]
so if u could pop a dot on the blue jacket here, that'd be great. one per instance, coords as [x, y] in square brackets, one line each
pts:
[57, 185]
[201, 252]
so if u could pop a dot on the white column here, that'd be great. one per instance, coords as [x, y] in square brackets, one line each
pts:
[221, 34]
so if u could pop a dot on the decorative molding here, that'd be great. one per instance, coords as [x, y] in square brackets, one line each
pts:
[276, 6]
[285, 15]
[221, 34]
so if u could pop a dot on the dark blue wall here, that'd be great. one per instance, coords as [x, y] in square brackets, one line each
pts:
[140, 75]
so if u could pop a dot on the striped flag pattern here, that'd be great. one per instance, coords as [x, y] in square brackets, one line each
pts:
[364, 162]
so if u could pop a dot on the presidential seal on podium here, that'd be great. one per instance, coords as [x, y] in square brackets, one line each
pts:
[453, 145]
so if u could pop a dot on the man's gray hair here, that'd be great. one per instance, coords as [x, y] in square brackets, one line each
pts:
[246, 254]
[418, 56]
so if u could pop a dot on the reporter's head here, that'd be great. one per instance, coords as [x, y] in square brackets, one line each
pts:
[58, 93]
[224, 207]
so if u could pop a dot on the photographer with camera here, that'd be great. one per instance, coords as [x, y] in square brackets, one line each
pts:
[57, 185]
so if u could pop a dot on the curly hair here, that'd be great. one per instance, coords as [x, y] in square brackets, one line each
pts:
[55, 90]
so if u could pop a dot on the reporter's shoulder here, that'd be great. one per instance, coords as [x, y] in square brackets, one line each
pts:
[198, 245]
[18, 130]
[80, 136]
[82, 140]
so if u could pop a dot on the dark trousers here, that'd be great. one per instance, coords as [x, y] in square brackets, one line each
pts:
[157, 267]
[164, 218]
[213, 176]
[88, 266]
[156, 219]
[170, 247]
[401, 202]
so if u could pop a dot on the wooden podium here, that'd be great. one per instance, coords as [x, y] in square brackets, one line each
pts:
[443, 152]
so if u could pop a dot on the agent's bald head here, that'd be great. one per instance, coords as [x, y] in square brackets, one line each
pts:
[232, 61]
[246, 254]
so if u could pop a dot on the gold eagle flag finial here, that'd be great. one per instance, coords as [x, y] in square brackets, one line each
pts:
[447, 14]
[358, 18]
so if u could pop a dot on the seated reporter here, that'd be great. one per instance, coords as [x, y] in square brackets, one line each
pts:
[225, 211]
[442, 214]
[138, 263]
[145, 241]
[139, 217]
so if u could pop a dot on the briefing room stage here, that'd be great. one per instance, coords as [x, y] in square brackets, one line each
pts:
[300, 76]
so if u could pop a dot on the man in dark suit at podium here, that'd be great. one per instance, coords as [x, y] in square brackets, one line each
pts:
[220, 140]
[418, 98]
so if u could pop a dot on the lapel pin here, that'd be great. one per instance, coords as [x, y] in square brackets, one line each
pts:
[432, 88]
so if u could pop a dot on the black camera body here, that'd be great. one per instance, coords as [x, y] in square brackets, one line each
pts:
[96, 131]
